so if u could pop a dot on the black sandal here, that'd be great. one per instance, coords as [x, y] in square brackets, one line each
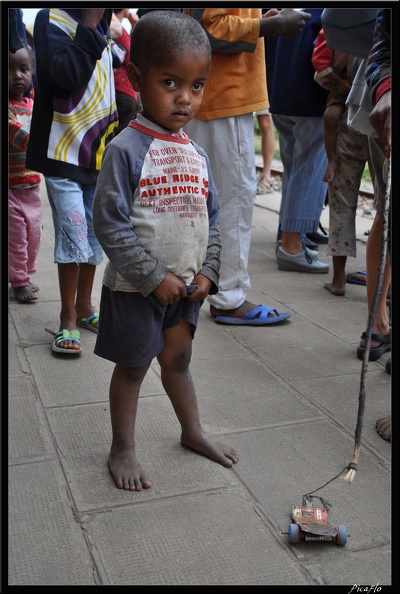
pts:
[377, 352]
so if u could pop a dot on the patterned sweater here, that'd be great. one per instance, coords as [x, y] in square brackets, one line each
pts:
[19, 122]
[75, 112]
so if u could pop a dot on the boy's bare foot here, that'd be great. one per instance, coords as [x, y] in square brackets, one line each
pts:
[35, 288]
[384, 427]
[24, 294]
[127, 472]
[207, 445]
[337, 290]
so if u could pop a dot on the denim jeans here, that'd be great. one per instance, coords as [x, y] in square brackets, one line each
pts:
[72, 210]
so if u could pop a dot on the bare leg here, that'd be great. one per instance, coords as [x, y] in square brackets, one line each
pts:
[68, 281]
[338, 284]
[124, 395]
[177, 381]
[267, 144]
[83, 304]
[374, 246]
[291, 242]
[384, 427]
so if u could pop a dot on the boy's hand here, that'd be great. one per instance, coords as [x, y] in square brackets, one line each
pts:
[170, 290]
[203, 285]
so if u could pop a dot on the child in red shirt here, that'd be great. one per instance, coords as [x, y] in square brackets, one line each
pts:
[24, 200]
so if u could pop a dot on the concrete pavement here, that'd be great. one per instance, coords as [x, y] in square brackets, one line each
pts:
[286, 396]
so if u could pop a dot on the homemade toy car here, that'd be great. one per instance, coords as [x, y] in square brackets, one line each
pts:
[311, 524]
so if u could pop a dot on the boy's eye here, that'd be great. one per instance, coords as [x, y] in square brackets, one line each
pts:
[197, 86]
[169, 83]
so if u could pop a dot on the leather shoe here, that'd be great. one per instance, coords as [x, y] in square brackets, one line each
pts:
[302, 262]
[318, 237]
[313, 253]
[311, 245]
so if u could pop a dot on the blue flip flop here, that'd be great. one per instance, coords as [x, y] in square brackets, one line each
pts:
[257, 317]
[352, 279]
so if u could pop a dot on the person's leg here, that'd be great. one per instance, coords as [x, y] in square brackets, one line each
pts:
[123, 464]
[331, 121]
[68, 275]
[75, 245]
[34, 226]
[87, 270]
[83, 303]
[265, 123]
[384, 427]
[337, 286]
[18, 248]
[176, 378]
[352, 155]
[381, 323]
[303, 190]
[302, 145]
[234, 174]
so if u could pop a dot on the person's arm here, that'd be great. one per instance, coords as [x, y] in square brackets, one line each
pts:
[18, 136]
[112, 207]
[212, 262]
[232, 33]
[69, 61]
[286, 22]
[115, 27]
[329, 65]
[378, 76]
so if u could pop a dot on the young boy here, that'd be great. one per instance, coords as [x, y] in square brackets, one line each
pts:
[24, 201]
[156, 215]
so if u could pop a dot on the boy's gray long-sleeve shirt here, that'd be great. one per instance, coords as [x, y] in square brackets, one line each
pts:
[156, 210]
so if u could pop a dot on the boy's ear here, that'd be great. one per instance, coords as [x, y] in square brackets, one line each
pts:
[133, 75]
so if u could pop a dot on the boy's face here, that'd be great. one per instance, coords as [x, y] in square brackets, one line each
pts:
[171, 94]
[19, 74]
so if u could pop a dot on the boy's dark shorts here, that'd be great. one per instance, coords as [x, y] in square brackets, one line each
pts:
[130, 329]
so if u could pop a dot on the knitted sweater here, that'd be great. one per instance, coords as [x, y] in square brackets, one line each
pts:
[19, 121]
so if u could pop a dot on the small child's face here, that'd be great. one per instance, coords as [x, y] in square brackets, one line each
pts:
[19, 74]
[171, 94]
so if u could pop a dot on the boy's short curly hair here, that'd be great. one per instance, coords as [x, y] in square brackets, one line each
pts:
[160, 35]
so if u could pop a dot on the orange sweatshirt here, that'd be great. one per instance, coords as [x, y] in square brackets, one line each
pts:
[237, 82]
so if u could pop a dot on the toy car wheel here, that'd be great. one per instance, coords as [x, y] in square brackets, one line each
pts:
[341, 537]
[294, 533]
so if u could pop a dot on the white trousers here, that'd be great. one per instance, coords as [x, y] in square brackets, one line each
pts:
[229, 143]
